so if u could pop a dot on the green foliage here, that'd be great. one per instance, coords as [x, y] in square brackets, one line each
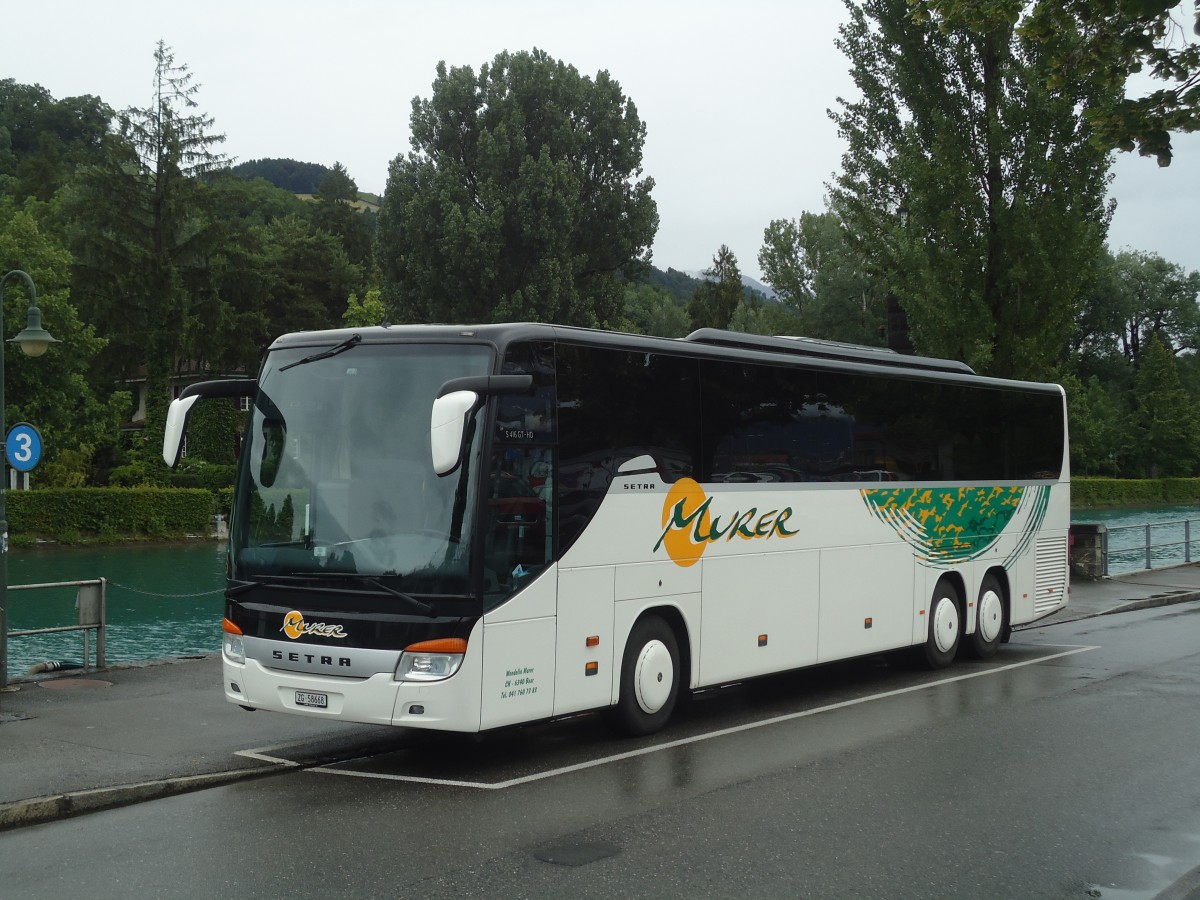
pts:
[1168, 427]
[43, 141]
[970, 186]
[335, 214]
[1107, 43]
[213, 430]
[144, 468]
[145, 511]
[1110, 41]
[310, 277]
[817, 272]
[1101, 442]
[717, 297]
[286, 174]
[1089, 492]
[370, 311]
[144, 234]
[519, 199]
[651, 310]
[679, 285]
[54, 391]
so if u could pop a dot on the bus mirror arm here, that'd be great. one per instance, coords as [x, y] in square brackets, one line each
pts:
[455, 402]
[488, 385]
[181, 408]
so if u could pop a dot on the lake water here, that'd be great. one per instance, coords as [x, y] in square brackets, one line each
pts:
[166, 601]
[162, 600]
[1127, 534]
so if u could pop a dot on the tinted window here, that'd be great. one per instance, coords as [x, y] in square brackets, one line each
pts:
[519, 537]
[613, 406]
[764, 423]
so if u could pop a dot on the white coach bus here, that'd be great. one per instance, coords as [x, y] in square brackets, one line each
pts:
[463, 528]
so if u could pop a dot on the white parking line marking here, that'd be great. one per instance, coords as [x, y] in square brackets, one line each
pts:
[695, 739]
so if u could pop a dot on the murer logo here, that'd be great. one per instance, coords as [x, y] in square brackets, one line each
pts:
[689, 524]
[295, 627]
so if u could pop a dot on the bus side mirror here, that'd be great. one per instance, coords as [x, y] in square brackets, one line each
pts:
[177, 416]
[447, 425]
[181, 408]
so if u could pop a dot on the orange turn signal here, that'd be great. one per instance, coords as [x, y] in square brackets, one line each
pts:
[229, 628]
[438, 645]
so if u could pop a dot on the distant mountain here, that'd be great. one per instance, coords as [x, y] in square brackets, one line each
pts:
[752, 286]
[288, 174]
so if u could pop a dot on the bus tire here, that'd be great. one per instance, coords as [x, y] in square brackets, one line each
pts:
[990, 620]
[945, 627]
[649, 679]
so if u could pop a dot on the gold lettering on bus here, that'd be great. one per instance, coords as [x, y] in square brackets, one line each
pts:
[295, 627]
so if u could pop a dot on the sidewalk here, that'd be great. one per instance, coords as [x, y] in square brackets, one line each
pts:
[86, 741]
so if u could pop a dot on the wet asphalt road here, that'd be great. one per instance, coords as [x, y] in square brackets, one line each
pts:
[1068, 767]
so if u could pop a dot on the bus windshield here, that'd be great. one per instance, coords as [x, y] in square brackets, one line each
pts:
[337, 479]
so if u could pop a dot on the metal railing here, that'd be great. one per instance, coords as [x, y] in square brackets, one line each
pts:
[1154, 545]
[90, 601]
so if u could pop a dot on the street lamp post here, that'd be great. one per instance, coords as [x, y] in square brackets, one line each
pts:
[34, 341]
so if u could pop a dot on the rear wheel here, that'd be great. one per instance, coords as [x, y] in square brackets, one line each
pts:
[989, 626]
[649, 679]
[945, 627]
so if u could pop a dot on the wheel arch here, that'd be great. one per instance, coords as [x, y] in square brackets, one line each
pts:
[674, 617]
[958, 583]
[1002, 578]
[1001, 575]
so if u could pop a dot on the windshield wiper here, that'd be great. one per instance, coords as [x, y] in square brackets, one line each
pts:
[325, 354]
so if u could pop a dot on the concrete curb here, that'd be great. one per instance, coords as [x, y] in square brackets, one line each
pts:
[1129, 606]
[39, 810]
[1152, 602]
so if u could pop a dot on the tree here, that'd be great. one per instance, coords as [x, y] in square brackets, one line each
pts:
[1158, 297]
[335, 212]
[145, 235]
[717, 297]
[1101, 441]
[53, 391]
[815, 270]
[519, 199]
[1105, 42]
[43, 140]
[653, 310]
[311, 279]
[970, 187]
[1167, 425]
[362, 314]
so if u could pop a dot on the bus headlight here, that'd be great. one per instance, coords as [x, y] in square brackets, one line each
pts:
[232, 644]
[431, 660]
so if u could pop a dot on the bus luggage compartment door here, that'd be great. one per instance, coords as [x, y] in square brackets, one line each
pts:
[583, 676]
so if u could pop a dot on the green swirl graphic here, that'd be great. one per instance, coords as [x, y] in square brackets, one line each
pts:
[952, 525]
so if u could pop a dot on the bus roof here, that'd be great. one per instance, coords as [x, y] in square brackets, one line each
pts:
[703, 342]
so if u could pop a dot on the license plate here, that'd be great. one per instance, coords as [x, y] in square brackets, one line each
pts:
[308, 698]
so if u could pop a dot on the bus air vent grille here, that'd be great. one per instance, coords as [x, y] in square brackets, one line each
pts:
[1050, 582]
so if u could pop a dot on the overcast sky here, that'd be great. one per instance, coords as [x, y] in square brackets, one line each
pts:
[734, 95]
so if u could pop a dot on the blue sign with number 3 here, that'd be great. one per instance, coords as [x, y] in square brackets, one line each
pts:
[23, 447]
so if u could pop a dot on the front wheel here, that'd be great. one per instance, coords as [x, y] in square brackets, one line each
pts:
[945, 627]
[649, 679]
